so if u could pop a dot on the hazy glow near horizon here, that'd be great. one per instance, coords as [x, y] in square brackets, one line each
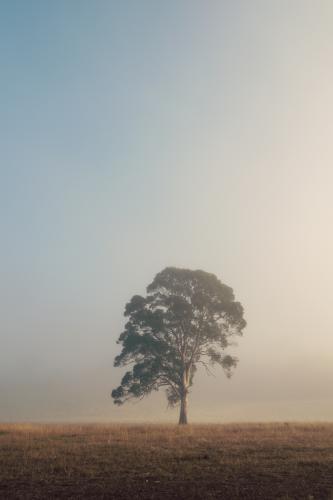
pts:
[149, 134]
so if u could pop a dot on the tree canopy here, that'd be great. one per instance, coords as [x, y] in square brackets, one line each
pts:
[186, 319]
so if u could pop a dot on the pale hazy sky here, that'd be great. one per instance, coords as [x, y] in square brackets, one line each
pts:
[138, 135]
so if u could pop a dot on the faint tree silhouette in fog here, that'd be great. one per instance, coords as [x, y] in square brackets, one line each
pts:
[187, 318]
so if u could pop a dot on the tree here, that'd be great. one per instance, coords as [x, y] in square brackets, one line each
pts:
[187, 318]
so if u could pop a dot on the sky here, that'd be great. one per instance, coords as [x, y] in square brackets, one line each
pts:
[140, 135]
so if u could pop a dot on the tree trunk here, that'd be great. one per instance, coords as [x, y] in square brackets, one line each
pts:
[183, 409]
[183, 395]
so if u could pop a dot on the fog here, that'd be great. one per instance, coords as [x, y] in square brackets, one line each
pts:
[143, 135]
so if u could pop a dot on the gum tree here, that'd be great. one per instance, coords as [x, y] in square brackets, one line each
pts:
[188, 318]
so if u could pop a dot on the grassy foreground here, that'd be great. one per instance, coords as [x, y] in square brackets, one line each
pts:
[287, 461]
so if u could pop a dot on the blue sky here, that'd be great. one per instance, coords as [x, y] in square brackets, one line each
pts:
[136, 135]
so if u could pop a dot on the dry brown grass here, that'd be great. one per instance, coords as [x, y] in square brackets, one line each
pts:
[286, 461]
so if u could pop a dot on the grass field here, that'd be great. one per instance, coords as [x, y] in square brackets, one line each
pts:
[287, 461]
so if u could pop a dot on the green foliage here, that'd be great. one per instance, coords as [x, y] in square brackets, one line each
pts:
[187, 318]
